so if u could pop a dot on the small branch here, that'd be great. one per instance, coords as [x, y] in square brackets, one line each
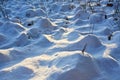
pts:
[110, 36]
[84, 48]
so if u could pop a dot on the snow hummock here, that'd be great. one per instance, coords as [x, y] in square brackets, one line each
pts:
[12, 29]
[51, 40]
[75, 66]
[92, 42]
[45, 25]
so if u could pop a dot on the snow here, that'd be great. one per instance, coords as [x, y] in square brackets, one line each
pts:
[52, 40]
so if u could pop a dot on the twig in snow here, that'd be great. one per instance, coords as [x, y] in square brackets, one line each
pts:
[84, 48]
[110, 36]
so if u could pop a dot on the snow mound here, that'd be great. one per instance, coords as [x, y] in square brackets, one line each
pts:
[108, 66]
[56, 16]
[34, 33]
[17, 73]
[75, 66]
[116, 37]
[8, 11]
[4, 57]
[16, 20]
[76, 74]
[91, 41]
[96, 18]
[58, 34]
[16, 54]
[46, 25]
[26, 7]
[22, 40]
[50, 40]
[55, 7]
[1, 23]
[74, 35]
[106, 31]
[78, 8]
[12, 29]
[29, 23]
[67, 7]
[3, 39]
[40, 12]
[44, 41]
[114, 52]
[81, 15]
[80, 22]
[30, 13]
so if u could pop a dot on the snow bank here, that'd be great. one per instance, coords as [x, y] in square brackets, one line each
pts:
[115, 52]
[26, 7]
[116, 37]
[15, 20]
[81, 15]
[92, 42]
[96, 18]
[34, 33]
[44, 41]
[75, 66]
[4, 57]
[34, 12]
[109, 66]
[30, 13]
[55, 7]
[67, 7]
[19, 41]
[40, 12]
[49, 40]
[106, 31]
[74, 35]
[22, 40]
[46, 25]
[11, 29]
[80, 22]
[3, 39]
[1, 23]
[18, 73]
[58, 34]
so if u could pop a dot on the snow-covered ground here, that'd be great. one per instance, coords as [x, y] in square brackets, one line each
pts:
[59, 41]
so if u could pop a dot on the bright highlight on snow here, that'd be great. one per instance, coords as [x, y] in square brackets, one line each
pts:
[59, 39]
